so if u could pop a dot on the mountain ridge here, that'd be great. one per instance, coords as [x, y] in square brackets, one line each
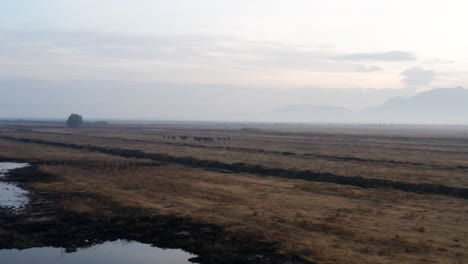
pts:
[436, 105]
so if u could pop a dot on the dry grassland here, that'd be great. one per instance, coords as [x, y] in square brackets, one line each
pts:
[419, 164]
[323, 222]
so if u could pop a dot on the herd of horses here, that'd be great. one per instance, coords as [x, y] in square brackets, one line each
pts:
[196, 138]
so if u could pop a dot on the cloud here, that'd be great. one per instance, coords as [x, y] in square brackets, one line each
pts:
[219, 53]
[417, 76]
[196, 58]
[371, 68]
[378, 56]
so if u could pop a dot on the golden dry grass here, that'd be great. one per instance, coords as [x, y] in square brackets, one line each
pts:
[323, 222]
[447, 166]
[40, 153]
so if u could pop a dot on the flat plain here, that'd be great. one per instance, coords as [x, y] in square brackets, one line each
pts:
[328, 194]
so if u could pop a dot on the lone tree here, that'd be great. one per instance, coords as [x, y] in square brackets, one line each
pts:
[74, 120]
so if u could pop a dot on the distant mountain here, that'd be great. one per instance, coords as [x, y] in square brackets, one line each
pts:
[439, 102]
[441, 106]
[438, 106]
[36, 99]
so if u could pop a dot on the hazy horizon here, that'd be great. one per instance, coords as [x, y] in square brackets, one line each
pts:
[220, 60]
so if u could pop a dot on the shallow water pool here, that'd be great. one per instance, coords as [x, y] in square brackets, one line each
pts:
[12, 196]
[7, 166]
[117, 252]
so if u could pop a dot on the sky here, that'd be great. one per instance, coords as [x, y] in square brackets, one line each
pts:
[269, 49]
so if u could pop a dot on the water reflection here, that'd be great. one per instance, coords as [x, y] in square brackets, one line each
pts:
[7, 166]
[11, 196]
[117, 252]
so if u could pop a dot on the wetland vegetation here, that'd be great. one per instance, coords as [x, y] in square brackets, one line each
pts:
[272, 194]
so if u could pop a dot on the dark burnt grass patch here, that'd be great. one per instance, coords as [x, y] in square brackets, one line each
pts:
[45, 224]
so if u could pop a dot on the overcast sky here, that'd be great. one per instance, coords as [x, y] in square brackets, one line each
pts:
[263, 44]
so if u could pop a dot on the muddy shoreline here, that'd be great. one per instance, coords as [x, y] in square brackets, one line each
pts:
[45, 224]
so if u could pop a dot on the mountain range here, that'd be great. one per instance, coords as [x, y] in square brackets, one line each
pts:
[117, 100]
[437, 106]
